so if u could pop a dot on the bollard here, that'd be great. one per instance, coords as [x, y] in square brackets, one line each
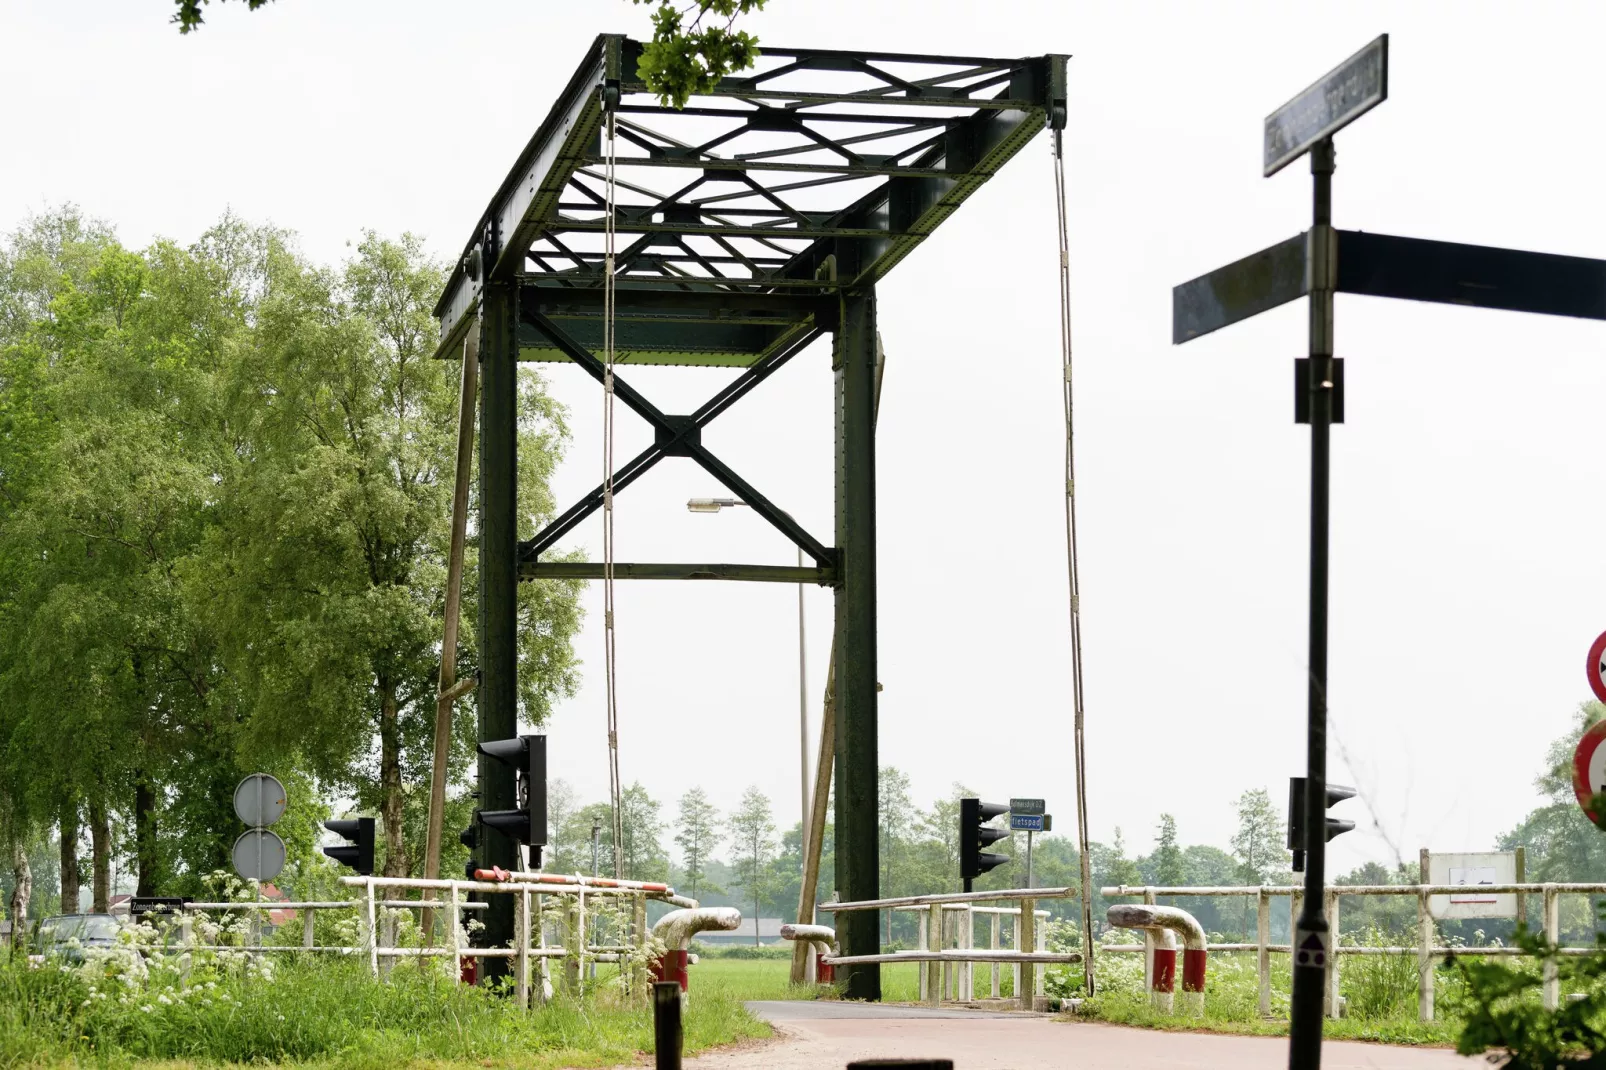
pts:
[666, 1035]
[1163, 981]
[1160, 923]
[670, 968]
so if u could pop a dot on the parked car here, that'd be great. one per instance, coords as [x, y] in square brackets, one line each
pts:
[67, 935]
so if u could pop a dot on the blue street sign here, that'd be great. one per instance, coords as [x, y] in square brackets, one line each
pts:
[1026, 822]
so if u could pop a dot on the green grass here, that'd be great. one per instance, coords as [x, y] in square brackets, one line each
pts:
[329, 1013]
[1381, 995]
[741, 979]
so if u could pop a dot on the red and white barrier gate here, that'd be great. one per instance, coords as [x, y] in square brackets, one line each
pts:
[822, 941]
[1160, 923]
[676, 929]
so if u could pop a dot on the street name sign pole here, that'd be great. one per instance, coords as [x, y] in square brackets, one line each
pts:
[1029, 816]
[1306, 125]
[1320, 263]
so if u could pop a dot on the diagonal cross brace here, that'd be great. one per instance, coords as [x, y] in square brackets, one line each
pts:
[676, 436]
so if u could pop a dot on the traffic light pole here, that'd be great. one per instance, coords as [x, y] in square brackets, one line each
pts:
[499, 582]
[857, 846]
[1305, 1010]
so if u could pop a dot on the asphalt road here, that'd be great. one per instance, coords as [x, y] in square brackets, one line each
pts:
[827, 1036]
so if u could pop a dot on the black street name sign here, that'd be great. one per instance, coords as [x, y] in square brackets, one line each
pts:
[1337, 99]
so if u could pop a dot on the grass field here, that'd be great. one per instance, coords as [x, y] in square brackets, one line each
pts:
[327, 1012]
[1380, 993]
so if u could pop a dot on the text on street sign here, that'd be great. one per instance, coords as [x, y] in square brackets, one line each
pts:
[1337, 99]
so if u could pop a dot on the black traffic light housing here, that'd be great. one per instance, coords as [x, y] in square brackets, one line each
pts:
[1336, 826]
[527, 756]
[359, 854]
[974, 834]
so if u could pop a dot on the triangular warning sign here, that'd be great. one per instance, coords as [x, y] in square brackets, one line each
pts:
[1312, 943]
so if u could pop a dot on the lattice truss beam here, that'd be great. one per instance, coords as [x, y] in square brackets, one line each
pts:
[741, 214]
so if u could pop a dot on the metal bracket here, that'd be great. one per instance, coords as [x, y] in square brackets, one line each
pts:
[1303, 389]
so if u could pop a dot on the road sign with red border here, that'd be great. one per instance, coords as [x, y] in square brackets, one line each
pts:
[1597, 666]
[1589, 769]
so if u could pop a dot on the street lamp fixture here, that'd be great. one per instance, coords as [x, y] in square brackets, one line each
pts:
[712, 505]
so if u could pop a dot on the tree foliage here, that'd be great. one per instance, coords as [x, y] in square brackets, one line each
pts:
[686, 58]
[697, 836]
[693, 46]
[1258, 845]
[225, 480]
[751, 829]
[188, 16]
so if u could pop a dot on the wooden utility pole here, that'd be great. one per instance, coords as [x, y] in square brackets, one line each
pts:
[448, 688]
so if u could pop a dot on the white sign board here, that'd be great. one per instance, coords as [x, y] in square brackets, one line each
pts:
[1471, 870]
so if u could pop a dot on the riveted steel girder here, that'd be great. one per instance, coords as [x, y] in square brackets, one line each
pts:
[816, 155]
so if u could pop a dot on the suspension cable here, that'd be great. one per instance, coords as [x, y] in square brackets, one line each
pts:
[610, 652]
[1070, 553]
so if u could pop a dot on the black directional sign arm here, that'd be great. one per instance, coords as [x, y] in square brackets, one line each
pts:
[1386, 265]
[1260, 281]
[1416, 269]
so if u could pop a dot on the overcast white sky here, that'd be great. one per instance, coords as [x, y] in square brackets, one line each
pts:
[1467, 571]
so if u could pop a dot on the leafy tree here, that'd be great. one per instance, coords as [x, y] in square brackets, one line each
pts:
[1258, 843]
[681, 59]
[1115, 868]
[941, 827]
[575, 854]
[899, 820]
[642, 851]
[1561, 843]
[1167, 860]
[188, 16]
[751, 828]
[222, 538]
[697, 836]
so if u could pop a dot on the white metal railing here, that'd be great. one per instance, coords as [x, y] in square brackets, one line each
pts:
[577, 947]
[1425, 950]
[952, 969]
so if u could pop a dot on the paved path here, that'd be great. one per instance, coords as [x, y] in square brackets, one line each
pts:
[827, 1036]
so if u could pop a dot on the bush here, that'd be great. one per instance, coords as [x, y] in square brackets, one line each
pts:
[1378, 987]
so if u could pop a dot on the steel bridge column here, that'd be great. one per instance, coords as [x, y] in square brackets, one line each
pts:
[499, 580]
[857, 767]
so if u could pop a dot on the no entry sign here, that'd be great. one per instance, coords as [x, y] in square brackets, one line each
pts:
[1589, 768]
[1597, 666]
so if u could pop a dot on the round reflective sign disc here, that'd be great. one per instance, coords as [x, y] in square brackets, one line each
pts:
[259, 800]
[1589, 769]
[259, 855]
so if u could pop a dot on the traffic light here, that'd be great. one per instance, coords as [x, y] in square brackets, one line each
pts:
[1297, 843]
[527, 756]
[974, 834]
[359, 854]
